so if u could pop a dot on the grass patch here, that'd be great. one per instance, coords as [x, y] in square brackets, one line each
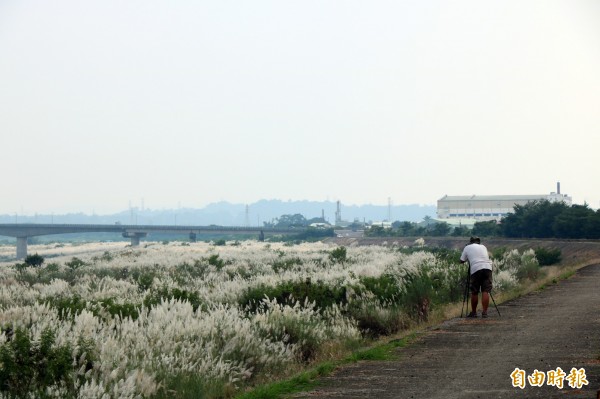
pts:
[308, 380]
[301, 382]
[382, 352]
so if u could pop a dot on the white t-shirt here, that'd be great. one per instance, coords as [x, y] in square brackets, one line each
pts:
[478, 257]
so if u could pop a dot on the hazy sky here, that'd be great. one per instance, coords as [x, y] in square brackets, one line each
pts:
[192, 102]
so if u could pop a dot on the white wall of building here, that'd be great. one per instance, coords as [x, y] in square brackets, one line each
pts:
[489, 207]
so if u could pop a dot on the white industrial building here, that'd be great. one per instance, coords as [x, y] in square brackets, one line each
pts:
[490, 207]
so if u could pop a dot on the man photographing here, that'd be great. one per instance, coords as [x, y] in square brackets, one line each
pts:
[480, 269]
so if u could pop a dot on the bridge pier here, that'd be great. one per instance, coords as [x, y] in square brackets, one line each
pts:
[193, 237]
[135, 237]
[21, 247]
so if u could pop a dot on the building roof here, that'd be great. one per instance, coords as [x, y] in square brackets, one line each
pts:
[493, 197]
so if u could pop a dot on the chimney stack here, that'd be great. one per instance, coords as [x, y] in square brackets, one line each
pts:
[557, 187]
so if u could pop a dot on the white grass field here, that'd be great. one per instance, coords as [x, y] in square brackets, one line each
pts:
[136, 319]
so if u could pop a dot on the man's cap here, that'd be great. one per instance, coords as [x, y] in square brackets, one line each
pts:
[475, 239]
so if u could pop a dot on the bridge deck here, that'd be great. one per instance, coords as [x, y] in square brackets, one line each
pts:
[24, 230]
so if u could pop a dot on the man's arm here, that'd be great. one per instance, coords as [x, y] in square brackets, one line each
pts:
[463, 256]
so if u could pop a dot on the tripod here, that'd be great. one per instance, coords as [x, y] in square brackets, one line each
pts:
[467, 294]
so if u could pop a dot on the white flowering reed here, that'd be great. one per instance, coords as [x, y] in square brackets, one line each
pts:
[213, 338]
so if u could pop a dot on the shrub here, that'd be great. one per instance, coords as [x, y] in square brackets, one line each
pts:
[449, 283]
[547, 257]
[529, 271]
[75, 263]
[165, 294]
[384, 288]
[216, 262]
[375, 320]
[106, 257]
[498, 253]
[52, 267]
[303, 326]
[34, 260]
[286, 264]
[20, 267]
[338, 255]
[69, 307]
[123, 310]
[292, 328]
[418, 294]
[145, 280]
[529, 267]
[290, 291]
[29, 368]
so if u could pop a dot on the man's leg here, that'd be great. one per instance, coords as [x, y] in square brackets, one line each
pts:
[485, 301]
[474, 301]
[485, 290]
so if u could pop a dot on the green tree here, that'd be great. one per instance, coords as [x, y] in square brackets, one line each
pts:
[296, 220]
[440, 229]
[407, 229]
[543, 219]
[534, 219]
[576, 222]
[377, 231]
[488, 228]
[461, 231]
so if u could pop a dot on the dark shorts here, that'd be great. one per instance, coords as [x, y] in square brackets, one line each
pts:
[481, 280]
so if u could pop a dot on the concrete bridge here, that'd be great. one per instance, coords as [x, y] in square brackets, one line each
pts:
[22, 231]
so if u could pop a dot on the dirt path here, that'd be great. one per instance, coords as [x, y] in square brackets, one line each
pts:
[473, 358]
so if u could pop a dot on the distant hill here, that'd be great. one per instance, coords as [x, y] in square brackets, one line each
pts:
[227, 214]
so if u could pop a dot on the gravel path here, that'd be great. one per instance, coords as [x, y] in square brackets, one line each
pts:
[474, 358]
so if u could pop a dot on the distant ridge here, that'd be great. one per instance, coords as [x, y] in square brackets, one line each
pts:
[227, 214]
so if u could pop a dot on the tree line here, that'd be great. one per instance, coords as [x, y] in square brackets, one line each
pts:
[544, 219]
[537, 219]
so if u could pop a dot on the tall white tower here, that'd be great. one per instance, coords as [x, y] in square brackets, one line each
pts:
[338, 213]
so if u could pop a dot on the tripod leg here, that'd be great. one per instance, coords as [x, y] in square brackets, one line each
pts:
[496, 306]
[465, 296]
